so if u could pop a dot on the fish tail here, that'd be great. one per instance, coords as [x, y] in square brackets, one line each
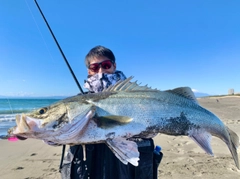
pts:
[233, 145]
[203, 138]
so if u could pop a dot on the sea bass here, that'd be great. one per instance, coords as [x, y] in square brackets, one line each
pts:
[122, 112]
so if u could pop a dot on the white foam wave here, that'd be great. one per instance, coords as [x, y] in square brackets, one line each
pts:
[7, 117]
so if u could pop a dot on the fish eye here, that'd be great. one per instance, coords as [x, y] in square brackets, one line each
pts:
[42, 110]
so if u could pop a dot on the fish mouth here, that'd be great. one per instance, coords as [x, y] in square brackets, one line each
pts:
[25, 124]
[22, 126]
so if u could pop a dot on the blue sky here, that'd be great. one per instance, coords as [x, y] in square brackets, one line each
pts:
[165, 44]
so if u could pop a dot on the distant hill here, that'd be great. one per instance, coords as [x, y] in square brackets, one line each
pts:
[199, 95]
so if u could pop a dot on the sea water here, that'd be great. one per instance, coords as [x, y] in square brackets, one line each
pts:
[10, 107]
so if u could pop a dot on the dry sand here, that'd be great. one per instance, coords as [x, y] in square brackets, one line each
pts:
[33, 159]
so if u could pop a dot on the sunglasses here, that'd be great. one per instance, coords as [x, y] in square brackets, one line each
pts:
[107, 64]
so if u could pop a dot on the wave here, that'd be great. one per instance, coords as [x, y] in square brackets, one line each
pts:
[14, 111]
[7, 117]
[5, 126]
[14, 106]
[10, 107]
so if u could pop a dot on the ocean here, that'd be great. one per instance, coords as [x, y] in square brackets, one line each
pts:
[10, 107]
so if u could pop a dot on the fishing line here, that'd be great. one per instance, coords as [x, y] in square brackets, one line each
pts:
[39, 30]
[6, 136]
[10, 105]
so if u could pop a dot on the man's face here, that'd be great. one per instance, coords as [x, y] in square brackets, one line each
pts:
[105, 66]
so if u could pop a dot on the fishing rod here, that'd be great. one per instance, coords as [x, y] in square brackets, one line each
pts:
[65, 59]
[69, 67]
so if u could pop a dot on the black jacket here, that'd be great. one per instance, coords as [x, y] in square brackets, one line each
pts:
[101, 163]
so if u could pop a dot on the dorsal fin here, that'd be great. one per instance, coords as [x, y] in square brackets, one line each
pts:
[126, 85]
[185, 92]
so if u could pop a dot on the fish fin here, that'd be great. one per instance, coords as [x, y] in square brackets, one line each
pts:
[120, 119]
[120, 85]
[234, 137]
[234, 144]
[112, 120]
[126, 151]
[203, 139]
[185, 92]
[126, 85]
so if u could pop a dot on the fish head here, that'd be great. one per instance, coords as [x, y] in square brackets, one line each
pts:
[45, 118]
[56, 119]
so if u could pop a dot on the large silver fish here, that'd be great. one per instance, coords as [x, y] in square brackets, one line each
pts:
[124, 111]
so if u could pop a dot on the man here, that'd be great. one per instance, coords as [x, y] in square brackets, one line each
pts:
[100, 162]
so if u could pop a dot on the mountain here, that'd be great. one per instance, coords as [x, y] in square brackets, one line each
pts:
[199, 94]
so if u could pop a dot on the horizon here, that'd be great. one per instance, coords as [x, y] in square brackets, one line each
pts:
[196, 93]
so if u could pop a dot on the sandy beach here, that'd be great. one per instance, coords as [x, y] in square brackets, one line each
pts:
[183, 158]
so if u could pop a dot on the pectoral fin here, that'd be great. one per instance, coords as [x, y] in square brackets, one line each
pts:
[125, 150]
[112, 120]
